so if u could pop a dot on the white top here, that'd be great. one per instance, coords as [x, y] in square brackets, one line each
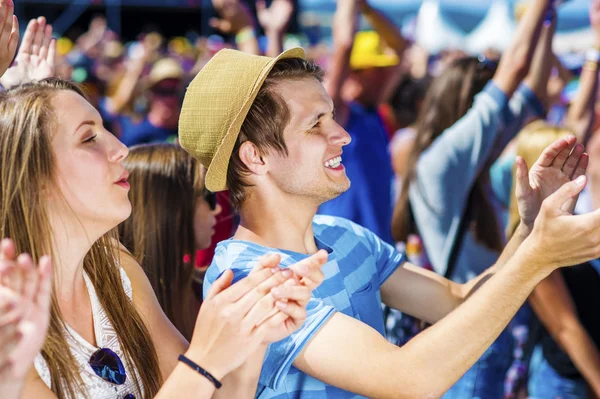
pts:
[82, 350]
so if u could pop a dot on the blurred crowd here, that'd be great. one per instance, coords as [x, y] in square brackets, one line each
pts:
[439, 144]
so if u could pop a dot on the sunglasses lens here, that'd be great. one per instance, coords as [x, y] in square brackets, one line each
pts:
[107, 365]
[129, 396]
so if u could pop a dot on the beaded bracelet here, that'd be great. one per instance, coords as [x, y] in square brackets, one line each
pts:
[200, 370]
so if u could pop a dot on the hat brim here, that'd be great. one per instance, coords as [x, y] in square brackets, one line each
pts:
[216, 175]
[374, 61]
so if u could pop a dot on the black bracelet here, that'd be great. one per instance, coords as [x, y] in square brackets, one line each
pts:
[200, 370]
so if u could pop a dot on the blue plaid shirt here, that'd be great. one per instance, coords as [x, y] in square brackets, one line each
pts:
[359, 263]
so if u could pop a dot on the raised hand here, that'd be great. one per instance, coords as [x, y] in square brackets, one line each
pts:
[561, 162]
[36, 57]
[234, 16]
[595, 17]
[9, 34]
[25, 293]
[276, 18]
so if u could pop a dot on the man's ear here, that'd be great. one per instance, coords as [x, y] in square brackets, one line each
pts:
[252, 158]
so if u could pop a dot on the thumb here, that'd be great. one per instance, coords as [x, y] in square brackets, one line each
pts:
[522, 188]
[220, 284]
[566, 192]
[45, 286]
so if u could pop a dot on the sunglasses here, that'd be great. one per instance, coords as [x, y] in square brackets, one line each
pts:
[108, 366]
[211, 199]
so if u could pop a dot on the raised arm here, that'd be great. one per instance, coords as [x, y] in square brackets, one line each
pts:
[580, 117]
[235, 19]
[516, 60]
[345, 23]
[9, 35]
[541, 66]
[554, 306]
[388, 31]
[274, 21]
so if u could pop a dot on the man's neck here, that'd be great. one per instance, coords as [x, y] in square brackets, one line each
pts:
[284, 225]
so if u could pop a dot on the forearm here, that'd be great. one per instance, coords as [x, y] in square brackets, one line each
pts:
[274, 43]
[516, 61]
[541, 67]
[583, 353]
[126, 88]
[388, 31]
[581, 113]
[472, 327]
[184, 379]
[242, 383]
[246, 41]
[12, 389]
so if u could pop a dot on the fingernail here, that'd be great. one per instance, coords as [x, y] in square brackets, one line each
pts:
[281, 305]
[274, 270]
[580, 180]
[277, 291]
[10, 3]
[286, 273]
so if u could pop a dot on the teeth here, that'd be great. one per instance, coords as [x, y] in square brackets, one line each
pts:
[334, 162]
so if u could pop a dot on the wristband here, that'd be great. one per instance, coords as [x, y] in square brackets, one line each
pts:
[592, 55]
[590, 65]
[244, 35]
[201, 371]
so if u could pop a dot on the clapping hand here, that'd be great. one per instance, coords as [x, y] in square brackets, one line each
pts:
[9, 34]
[36, 57]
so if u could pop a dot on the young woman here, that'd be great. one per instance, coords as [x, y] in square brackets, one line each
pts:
[173, 217]
[64, 190]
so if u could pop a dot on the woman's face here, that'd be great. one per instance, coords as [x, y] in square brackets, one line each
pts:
[204, 223]
[89, 173]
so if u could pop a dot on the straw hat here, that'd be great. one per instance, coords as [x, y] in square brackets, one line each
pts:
[216, 104]
[369, 51]
[165, 68]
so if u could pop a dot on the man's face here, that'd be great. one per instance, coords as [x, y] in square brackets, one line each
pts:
[313, 167]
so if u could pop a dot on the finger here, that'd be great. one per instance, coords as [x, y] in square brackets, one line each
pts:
[46, 39]
[522, 188]
[30, 276]
[581, 166]
[245, 303]
[8, 250]
[298, 293]
[8, 23]
[258, 313]
[51, 58]
[573, 160]
[551, 152]
[39, 36]
[275, 321]
[561, 157]
[13, 42]
[44, 293]
[244, 286]
[564, 193]
[220, 284]
[310, 268]
[11, 275]
[28, 37]
[295, 311]
[268, 261]
[260, 6]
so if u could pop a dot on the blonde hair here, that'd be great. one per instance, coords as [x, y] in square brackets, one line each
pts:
[531, 142]
[27, 165]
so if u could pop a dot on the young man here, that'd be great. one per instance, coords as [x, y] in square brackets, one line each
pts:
[264, 128]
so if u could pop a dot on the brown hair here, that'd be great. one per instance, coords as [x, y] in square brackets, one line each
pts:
[165, 183]
[27, 122]
[267, 118]
[531, 142]
[448, 99]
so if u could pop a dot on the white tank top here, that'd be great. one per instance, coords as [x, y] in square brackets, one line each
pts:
[96, 387]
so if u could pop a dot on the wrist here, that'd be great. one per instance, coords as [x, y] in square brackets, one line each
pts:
[245, 34]
[524, 229]
[202, 359]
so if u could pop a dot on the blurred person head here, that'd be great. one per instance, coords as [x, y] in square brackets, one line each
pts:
[449, 97]
[531, 142]
[62, 174]
[408, 99]
[372, 65]
[164, 90]
[173, 216]
[276, 137]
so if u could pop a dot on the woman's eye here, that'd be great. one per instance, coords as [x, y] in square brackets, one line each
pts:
[91, 139]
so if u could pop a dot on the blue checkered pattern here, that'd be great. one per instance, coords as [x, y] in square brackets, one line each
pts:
[359, 262]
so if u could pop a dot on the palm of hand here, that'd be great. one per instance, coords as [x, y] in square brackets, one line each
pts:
[36, 319]
[27, 68]
[543, 182]
[277, 16]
